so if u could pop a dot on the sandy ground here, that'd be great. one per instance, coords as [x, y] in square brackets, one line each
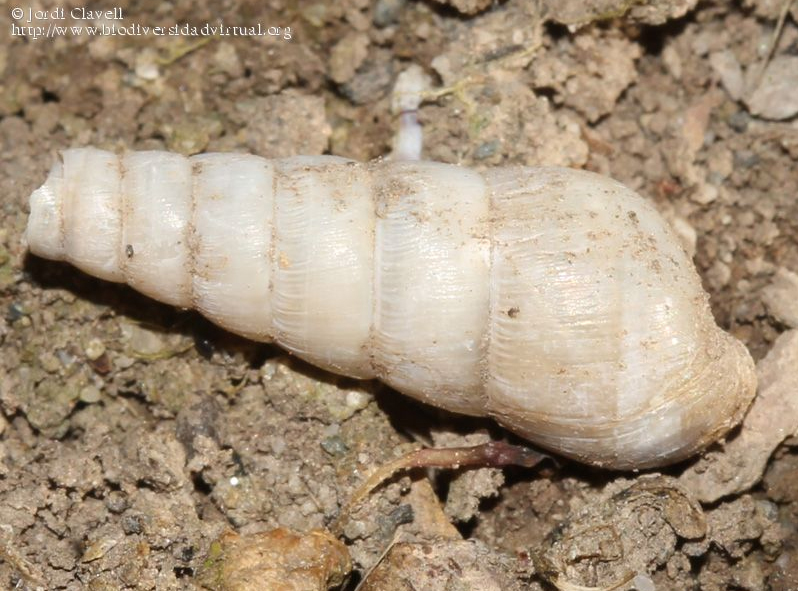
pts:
[135, 438]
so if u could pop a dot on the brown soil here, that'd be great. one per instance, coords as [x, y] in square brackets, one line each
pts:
[133, 435]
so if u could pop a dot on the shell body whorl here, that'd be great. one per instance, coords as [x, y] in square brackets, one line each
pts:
[557, 301]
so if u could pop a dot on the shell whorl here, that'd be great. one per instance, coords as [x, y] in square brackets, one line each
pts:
[556, 301]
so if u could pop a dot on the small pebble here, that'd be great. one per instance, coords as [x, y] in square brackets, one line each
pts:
[745, 159]
[146, 66]
[131, 524]
[49, 362]
[142, 341]
[739, 121]
[116, 502]
[66, 358]
[486, 150]
[781, 297]
[728, 69]
[94, 349]
[277, 445]
[704, 194]
[386, 12]
[334, 446]
[357, 400]
[90, 394]
[643, 583]
[775, 97]
[15, 312]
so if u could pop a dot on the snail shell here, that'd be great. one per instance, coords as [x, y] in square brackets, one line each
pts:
[556, 301]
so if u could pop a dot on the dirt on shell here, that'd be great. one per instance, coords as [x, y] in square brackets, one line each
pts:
[140, 445]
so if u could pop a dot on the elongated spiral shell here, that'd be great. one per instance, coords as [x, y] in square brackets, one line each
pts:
[556, 301]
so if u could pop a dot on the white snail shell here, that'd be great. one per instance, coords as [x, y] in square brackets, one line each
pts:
[556, 301]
